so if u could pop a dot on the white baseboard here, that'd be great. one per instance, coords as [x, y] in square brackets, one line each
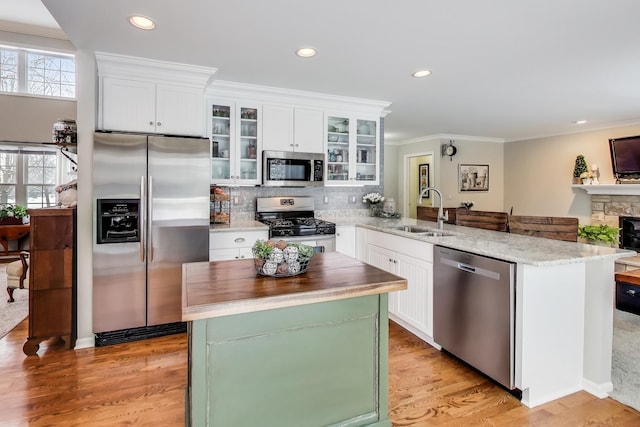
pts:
[86, 342]
[599, 390]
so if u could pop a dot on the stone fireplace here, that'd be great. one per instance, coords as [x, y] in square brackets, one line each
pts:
[608, 208]
[617, 206]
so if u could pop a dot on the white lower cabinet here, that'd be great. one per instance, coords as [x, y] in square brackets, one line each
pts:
[413, 261]
[346, 240]
[233, 244]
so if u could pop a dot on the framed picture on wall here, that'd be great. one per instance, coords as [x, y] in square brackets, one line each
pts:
[423, 178]
[474, 177]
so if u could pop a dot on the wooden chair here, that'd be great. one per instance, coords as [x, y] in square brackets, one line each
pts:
[17, 274]
[549, 227]
[496, 221]
[428, 213]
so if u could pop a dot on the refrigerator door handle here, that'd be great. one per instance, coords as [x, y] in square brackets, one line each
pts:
[150, 219]
[142, 219]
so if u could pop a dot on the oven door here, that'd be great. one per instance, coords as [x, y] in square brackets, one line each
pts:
[321, 242]
[291, 169]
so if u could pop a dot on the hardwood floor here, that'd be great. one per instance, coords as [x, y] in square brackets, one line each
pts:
[143, 383]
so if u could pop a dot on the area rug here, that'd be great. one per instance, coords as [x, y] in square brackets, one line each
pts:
[11, 313]
[625, 369]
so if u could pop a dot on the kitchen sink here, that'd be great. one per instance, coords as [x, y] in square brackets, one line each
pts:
[423, 231]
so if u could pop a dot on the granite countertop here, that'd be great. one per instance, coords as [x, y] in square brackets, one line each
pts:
[248, 225]
[509, 247]
[222, 288]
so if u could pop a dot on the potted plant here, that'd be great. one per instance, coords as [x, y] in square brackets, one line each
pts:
[579, 168]
[602, 234]
[12, 214]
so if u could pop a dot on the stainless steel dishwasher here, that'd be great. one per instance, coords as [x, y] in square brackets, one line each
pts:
[474, 311]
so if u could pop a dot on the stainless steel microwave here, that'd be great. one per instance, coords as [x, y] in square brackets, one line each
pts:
[292, 169]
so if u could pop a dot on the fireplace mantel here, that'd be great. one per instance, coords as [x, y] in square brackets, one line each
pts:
[611, 189]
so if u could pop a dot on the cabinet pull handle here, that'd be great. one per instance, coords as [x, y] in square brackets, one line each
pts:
[631, 293]
[239, 240]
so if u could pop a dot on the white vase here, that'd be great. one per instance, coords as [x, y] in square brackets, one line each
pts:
[586, 181]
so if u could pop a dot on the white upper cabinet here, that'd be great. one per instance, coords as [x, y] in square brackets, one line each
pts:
[353, 150]
[234, 128]
[179, 110]
[277, 128]
[141, 95]
[292, 129]
[309, 130]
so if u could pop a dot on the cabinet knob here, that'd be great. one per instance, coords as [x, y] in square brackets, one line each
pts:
[631, 293]
[296, 145]
[150, 123]
[159, 123]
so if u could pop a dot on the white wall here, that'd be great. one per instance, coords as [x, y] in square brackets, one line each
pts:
[87, 101]
[539, 172]
[446, 171]
[391, 177]
[28, 118]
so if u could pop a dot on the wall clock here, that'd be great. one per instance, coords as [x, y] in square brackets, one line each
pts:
[449, 150]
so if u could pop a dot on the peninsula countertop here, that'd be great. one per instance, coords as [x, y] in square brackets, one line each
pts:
[221, 288]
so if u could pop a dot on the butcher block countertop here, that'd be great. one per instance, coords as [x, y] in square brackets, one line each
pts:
[222, 288]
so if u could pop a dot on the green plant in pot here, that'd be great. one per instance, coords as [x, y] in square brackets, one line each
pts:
[12, 214]
[579, 168]
[599, 234]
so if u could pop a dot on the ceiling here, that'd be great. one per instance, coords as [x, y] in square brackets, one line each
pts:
[502, 69]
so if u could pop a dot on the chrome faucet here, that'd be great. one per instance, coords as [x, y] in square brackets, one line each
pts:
[442, 216]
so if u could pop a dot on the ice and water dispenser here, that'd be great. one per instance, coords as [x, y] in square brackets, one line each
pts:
[118, 220]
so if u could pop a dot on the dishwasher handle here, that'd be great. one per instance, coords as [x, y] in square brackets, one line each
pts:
[471, 269]
[466, 267]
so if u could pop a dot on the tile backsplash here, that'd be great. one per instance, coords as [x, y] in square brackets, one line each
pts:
[339, 199]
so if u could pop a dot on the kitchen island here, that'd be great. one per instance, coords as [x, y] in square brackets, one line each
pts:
[564, 292]
[307, 350]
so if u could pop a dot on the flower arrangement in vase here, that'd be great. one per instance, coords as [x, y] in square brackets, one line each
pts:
[374, 200]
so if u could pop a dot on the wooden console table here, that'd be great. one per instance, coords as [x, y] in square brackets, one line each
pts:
[12, 232]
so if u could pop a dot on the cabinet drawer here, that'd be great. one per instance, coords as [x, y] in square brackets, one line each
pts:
[628, 297]
[236, 239]
[52, 232]
[403, 245]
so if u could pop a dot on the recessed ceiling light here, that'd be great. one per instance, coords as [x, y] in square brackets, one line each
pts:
[142, 22]
[580, 122]
[306, 52]
[421, 73]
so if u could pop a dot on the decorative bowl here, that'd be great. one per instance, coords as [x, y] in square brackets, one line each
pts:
[280, 258]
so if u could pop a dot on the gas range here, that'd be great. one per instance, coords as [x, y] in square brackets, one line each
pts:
[292, 217]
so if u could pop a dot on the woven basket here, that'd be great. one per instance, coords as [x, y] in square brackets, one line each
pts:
[282, 263]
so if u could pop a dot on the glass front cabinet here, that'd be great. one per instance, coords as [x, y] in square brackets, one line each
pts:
[234, 129]
[352, 147]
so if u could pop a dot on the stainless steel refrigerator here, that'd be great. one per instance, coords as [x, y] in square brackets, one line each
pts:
[151, 198]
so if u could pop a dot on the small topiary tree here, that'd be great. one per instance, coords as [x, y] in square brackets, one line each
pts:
[580, 167]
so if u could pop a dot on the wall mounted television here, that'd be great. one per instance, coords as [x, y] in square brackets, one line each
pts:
[625, 157]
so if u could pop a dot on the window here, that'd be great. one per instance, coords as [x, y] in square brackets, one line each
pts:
[37, 73]
[29, 175]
